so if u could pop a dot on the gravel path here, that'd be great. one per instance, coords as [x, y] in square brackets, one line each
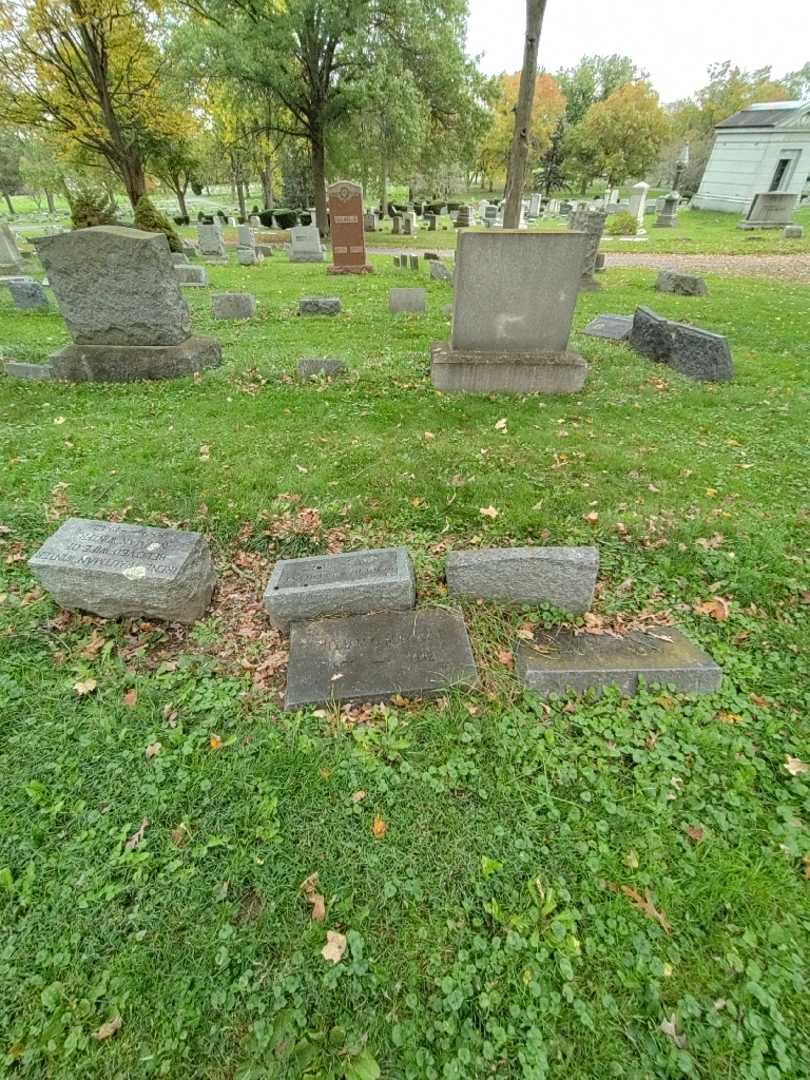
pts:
[787, 267]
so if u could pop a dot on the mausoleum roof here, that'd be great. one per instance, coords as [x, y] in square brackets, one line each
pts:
[768, 114]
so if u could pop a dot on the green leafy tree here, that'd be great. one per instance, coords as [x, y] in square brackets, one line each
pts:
[11, 152]
[594, 79]
[797, 83]
[150, 219]
[42, 169]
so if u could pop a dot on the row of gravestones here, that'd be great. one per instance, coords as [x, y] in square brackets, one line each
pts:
[356, 634]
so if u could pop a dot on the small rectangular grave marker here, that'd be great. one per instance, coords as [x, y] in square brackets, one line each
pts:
[375, 657]
[563, 576]
[408, 300]
[610, 327]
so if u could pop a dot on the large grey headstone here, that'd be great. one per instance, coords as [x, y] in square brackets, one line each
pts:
[381, 579]
[116, 286]
[610, 327]
[375, 657]
[210, 241]
[562, 576]
[305, 244]
[114, 569]
[556, 663]
[700, 354]
[650, 335]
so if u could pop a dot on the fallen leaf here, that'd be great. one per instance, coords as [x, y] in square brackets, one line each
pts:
[716, 608]
[215, 742]
[806, 865]
[631, 859]
[759, 701]
[136, 837]
[205, 452]
[93, 646]
[795, 765]
[59, 420]
[152, 750]
[314, 898]
[505, 657]
[670, 1028]
[501, 424]
[109, 1029]
[335, 946]
[429, 435]
[711, 542]
[85, 687]
[695, 832]
[644, 903]
[591, 518]
[488, 511]
[358, 796]
[180, 835]
[378, 828]
[130, 699]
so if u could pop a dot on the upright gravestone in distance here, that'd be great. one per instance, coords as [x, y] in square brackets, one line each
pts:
[305, 244]
[346, 220]
[638, 202]
[667, 217]
[118, 293]
[592, 223]
[514, 301]
[770, 210]
[210, 242]
[10, 262]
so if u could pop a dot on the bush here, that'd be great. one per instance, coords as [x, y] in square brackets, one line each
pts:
[266, 218]
[182, 219]
[452, 206]
[434, 207]
[285, 219]
[304, 217]
[150, 219]
[621, 225]
[89, 207]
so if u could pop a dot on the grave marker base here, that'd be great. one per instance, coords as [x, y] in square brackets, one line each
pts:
[464, 370]
[129, 363]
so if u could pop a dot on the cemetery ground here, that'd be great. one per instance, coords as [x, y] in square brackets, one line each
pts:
[574, 888]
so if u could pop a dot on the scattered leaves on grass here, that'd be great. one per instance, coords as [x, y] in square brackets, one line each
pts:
[335, 946]
[695, 832]
[378, 828]
[711, 542]
[180, 834]
[488, 511]
[501, 424]
[152, 750]
[205, 452]
[358, 796]
[59, 420]
[716, 608]
[309, 887]
[670, 1028]
[591, 518]
[795, 766]
[130, 699]
[109, 1029]
[506, 657]
[93, 647]
[86, 686]
[645, 904]
[215, 742]
[136, 837]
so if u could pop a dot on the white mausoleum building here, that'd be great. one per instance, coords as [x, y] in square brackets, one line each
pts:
[765, 147]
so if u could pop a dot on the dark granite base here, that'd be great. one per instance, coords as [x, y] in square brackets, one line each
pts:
[129, 363]
[466, 371]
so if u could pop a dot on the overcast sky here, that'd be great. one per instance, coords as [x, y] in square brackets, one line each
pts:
[674, 42]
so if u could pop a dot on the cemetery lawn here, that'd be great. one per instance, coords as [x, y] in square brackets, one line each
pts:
[575, 889]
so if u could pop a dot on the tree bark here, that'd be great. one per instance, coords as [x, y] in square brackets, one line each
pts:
[266, 175]
[181, 201]
[9, 203]
[49, 199]
[519, 154]
[240, 195]
[319, 181]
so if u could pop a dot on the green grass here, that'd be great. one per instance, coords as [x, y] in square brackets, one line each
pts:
[486, 935]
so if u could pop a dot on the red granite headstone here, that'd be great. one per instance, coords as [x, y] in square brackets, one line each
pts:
[346, 222]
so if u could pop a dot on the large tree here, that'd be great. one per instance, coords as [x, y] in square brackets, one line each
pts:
[521, 136]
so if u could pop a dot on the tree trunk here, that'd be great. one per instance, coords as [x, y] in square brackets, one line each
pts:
[133, 175]
[519, 154]
[240, 195]
[384, 188]
[181, 201]
[9, 203]
[266, 175]
[319, 181]
[49, 199]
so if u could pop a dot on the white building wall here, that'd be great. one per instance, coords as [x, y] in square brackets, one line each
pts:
[742, 163]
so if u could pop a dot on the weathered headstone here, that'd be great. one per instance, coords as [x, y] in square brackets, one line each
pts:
[408, 300]
[396, 222]
[367, 658]
[248, 256]
[370, 221]
[191, 276]
[118, 292]
[673, 281]
[638, 201]
[592, 223]
[430, 221]
[514, 301]
[319, 305]
[246, 237]
[700, 354]
[413, 262]
[114, 569]
[408, 223]
[440, 272]
[210, 243]
[255, 221]
[233, 305]
[348, 238]
[668, 214]
[28, 295]
[312, 367]
[770, 210]
[463, 217]
[793, 232]
[10, 261]
[305, 244]
[610, 327]
[650, 335]
[535, 202]
[599, 264]
[355, 583]
[19, 369]
[562, 576]
[556, 663]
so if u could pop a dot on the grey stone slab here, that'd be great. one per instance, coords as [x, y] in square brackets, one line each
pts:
[28, 295]
[562, 576]
[516, 291]
[650, 335]
[556, 663]
[114, 569]
[233, 305]
[793, 232]
[700, 354]
[315, 366]
[248, 256]
[191, 275]
[413, 262]
[673, 281]
[463, 370]
[440, 272]
[407, 300]
[210, 241]
[319, 305]
[17, 369]
[179, 258]
[116, 286]
[367, 658]
[13, 279]
[128, 363]
[355, 583]
[9, 254]
[610, 327]
[305, 244]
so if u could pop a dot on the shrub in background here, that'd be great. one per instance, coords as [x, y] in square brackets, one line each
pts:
[150, 219]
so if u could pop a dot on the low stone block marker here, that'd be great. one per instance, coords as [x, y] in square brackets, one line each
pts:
[28, 295]
[355, 583]
[440, 272]
[700, 354]
[556, 663]
[233, 305]
[313, 366]
[113, 569]
[18, 369]
[407, 300]
[673, 281]
[793, 232]
[191, 276]
[610, 327]
[413, 262]
[248, 256]
[562, 576]
[362, 658]
[319, 305]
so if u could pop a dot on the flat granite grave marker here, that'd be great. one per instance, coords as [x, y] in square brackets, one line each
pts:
[311, 367]
[407, 300]
[28, 295]
[113, 569]
[348, 236]
[558, 662]
[673, 281]
[562, 576]
[368, 658]
[319, 305]
[354, 583]
[610, 327]
[233, 305]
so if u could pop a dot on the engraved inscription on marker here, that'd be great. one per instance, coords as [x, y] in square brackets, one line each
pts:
[346, 217]
[114, 569]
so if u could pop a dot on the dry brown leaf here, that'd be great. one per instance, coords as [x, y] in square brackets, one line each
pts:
[759, 701]
[136, 837]
[152, 750]
[501, 424]
[591, 518]
[315, 899]
[93, 646]
[378, 828]
[87, 686]
[109, 1029]
[180, 835]
[670, 1028]
[488, 511]
[712, 542]
[716, 608]
[130, 699]
[644, 903]
[506, 657]
[358, 796]
[795, 766]
[695, 832]
[335, 946]
[806, 865]
[215, 742]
